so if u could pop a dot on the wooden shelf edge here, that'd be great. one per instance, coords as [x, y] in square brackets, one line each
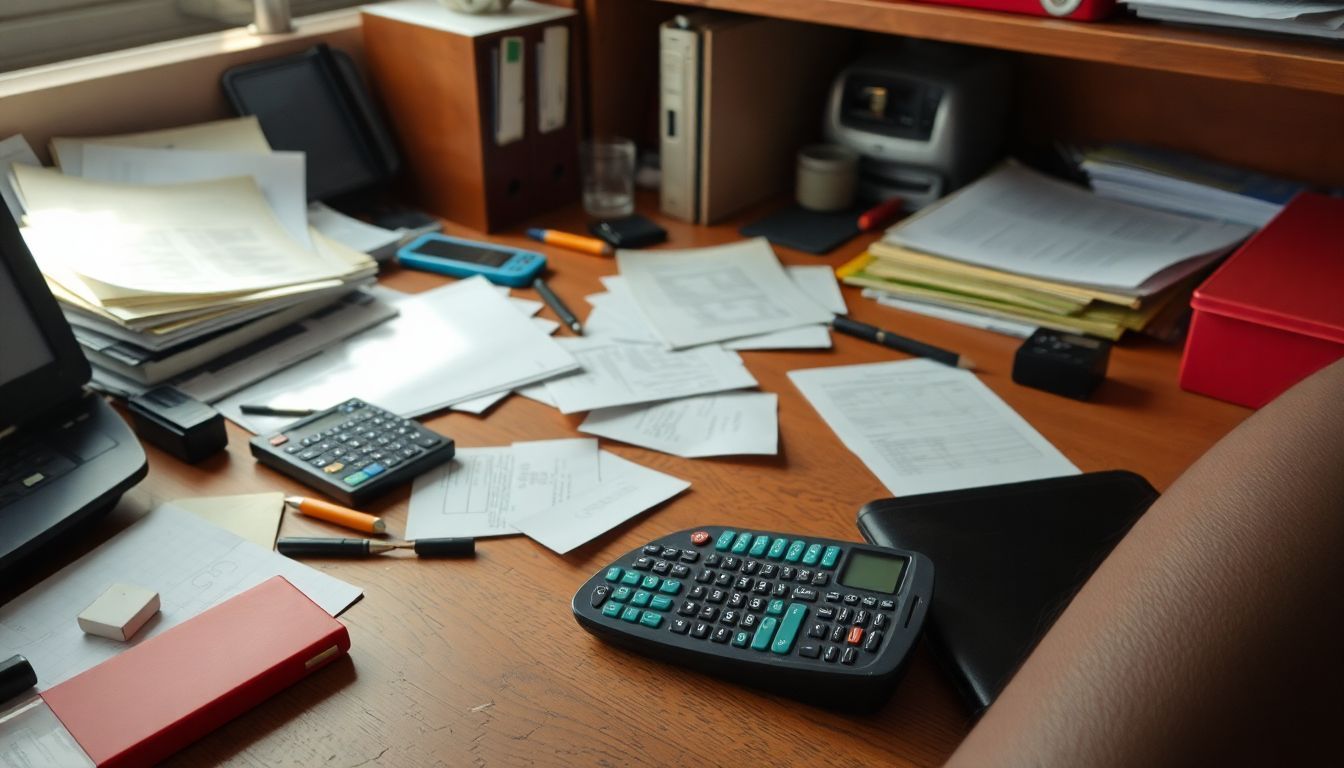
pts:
[1248, 57]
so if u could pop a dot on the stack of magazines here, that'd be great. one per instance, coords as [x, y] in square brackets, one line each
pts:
[1291, 17]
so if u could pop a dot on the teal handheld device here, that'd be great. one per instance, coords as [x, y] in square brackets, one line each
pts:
[828, 622]
[500, 264]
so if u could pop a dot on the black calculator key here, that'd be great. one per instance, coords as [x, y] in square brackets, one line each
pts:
[662, 567]
[768, 571]
[731, 563]
[805, 594]
[729, 618]
[826, 614]
[761, 587]
[844, 615]
[697, 593]
[737, 600]
[879, 620]
[689, 555]
[644, 563]
[831, 654]
[723, 579]
[887, 605]
[700, 630]
[817, 631]
[652, 549]
[869, 602]
[851, 599]
[680, 626]
[804, 575]
[742, 583]
[713, 560]
[849, 656]
[780, 590]
[838, 634]
[709, 613]
[832, 597]
[861, 618]
[873, 642]
[423, 440]
[821, 579]
[722, 635]
[680, 571]
[705, 576]
[756, 604]
[750, 567]
[750, 620]
[599, 595]
[787, 572]
[669, 553]
[809, 650]
[717, 596]
[689, 609]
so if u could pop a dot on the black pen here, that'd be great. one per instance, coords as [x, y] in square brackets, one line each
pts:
[557, 306]
[266, 410]
[16, 676]
[888, 339]
[299, 546]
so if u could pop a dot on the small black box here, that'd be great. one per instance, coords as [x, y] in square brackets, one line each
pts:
[177, 423]
[630, 232]
[1062, 363]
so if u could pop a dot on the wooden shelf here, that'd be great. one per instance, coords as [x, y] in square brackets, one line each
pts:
[1247, 58]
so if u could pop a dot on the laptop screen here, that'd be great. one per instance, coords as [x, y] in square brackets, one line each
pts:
[25, 348]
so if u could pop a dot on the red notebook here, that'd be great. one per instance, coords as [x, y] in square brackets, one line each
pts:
[143, 705]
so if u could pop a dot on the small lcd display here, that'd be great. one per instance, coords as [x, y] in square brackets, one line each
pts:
[455, 252]
[873, 571]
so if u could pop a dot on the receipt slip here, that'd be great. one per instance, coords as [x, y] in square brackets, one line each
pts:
[141, 706]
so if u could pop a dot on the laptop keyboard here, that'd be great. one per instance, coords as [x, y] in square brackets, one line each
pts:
[36, 461]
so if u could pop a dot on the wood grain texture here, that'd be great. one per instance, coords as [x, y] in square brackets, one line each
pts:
[480, 662]
[1129, 42]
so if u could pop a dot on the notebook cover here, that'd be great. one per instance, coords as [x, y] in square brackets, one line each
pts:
[1009, 559]
[146, 703]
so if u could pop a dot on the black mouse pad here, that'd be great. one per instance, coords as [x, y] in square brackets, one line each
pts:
[808, 231]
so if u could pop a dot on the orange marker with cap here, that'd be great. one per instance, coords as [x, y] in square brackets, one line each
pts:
[573, 242]
[334, 513]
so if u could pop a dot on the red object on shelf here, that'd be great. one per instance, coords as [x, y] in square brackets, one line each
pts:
[1274, 313]
[139, 707]
[1076, 10]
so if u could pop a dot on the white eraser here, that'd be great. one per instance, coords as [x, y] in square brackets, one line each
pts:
[119, 612]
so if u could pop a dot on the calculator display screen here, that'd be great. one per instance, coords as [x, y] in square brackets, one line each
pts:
[487, 257]
[873, 572]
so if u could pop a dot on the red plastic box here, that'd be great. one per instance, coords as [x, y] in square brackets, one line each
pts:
[1274, 313]
[1077, 10]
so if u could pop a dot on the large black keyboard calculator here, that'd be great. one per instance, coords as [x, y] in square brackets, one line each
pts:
[829, 622]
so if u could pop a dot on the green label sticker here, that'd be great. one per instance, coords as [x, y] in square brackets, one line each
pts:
[513, 50]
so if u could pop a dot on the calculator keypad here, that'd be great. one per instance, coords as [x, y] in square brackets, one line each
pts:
[750, 591]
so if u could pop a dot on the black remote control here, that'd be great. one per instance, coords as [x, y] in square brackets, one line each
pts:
[829, 622]
[353, 451]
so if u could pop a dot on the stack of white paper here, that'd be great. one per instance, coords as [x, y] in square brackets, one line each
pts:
[454, 344]
[726, 424]
[560, 492]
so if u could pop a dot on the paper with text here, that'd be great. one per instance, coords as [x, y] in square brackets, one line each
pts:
[726, 424]
[238, 134]
[922, 427]
[626, 490]
[192, 564]
[703, 295]
[616, 373]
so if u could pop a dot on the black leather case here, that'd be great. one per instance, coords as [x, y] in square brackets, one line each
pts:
[1009, 559]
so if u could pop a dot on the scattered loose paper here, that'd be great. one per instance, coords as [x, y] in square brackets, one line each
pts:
[616, 373]
[703, 295]
[805, 337]
[31, 736]
[192, 564]
[15, 149]
[820, 285]
[727, 424]
[626, 490]
[922, 427]
[483, 490]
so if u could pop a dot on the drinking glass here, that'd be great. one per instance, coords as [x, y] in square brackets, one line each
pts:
[608, 177]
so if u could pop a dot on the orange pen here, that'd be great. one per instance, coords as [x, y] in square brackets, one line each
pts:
[572, 242]
[334, 513]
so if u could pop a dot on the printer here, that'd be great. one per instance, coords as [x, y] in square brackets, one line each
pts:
[925, 119]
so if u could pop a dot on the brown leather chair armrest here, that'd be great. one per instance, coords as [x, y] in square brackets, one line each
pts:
[1214, 632]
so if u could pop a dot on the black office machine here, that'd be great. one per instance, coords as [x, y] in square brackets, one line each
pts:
[828, 622]
[178, 423]
[926, 119]
[1062, 363]
[353, 451]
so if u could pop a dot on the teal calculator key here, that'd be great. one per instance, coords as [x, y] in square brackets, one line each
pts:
[777, 549]
[812, 555]
[775, 608]
[829, 557]
[621, 594]
[741, 639]
[670, 587]
[612, 609]
[631, 615]
[764, 633]
[650, 619]
[759, 545]
[630, 578]
[743, 541]
[355, 478]
[788, 629]
[795, 552]
[660, 602]
[641, 598]
[650, 582]
[614, 573]
[725, 540]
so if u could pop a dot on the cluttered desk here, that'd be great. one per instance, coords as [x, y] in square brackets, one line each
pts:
[709, 453]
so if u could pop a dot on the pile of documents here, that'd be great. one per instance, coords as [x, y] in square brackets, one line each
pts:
[1291, 17]
[1022, 247]
[169, 249]
[1185, 184]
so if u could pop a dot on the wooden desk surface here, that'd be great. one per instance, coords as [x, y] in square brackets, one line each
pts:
[481, 663]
